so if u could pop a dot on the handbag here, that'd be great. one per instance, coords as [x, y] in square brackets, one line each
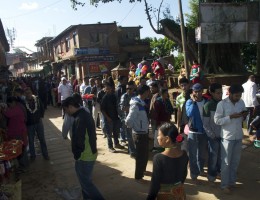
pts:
[171, 192]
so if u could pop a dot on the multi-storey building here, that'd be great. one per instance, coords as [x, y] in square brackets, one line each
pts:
[88, 49]
[4, 47]
[93, 49]
[131, 46]
[45, 54]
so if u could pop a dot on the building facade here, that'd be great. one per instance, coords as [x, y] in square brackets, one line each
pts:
[4, 48]
[95, 49]
[45, 56]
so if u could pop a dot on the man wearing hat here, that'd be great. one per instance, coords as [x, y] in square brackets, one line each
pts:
[197, 139]
[151, 79]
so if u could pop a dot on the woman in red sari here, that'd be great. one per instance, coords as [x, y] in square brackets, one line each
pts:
[16, 128]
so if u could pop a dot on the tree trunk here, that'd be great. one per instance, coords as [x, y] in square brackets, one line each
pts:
[223, 58]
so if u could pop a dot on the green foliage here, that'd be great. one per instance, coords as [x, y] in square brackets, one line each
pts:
[178, 61]
[192, 18]
[161, 46]
[167, 13]
[76, 3]
[249, 55]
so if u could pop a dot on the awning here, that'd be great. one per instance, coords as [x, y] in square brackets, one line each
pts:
[34, 71]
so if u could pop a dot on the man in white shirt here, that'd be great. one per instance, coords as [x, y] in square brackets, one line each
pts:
[64, 91]
[249, 97]
[83, 85]
[229, 115]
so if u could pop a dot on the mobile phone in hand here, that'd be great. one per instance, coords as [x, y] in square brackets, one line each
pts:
[244, 111]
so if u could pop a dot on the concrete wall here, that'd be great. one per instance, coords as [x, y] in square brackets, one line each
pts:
[228, 22]
[99, 36]
[2, 55]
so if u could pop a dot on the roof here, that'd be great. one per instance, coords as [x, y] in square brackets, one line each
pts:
[43, 40]
[119, 68]
[76, 26]
[128, 27]
[33, 71]
[3, 39]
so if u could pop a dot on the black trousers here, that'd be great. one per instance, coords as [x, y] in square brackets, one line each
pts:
[141, 142]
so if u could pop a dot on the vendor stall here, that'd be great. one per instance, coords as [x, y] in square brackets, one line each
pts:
[119, 70]
[10, 185]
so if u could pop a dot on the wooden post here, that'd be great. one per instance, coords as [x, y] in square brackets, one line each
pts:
[258, 46]
[183, 38]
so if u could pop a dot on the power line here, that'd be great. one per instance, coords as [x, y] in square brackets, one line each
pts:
[128, 13]
[116, 27]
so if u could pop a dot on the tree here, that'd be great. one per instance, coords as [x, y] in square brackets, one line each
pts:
[161, 46]
[167, 26]
[215, 57]
[249, 57]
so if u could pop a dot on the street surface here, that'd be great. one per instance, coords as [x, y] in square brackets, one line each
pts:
[114, 172]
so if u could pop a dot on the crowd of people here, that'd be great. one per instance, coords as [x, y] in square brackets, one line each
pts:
[208, 126]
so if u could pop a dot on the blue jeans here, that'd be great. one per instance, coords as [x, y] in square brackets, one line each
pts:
[214, 162]
[123, 134]
[249, 118]
[197, 147]
[84, 172]
[112, 127]
[39, 130]
[131, 146]
[103, 124]
[230, 158]
[129, 137]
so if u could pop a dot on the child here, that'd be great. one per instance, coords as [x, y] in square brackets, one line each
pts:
[195, 74]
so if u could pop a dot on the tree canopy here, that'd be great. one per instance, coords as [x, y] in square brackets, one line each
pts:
[215, 58]
[161, 46]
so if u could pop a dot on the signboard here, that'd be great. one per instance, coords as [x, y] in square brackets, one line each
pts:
[90, 51]
[99, 58]
[98, 67]
[228, 22]
[94, 68]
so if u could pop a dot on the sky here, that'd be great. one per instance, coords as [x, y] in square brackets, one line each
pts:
[35, 19]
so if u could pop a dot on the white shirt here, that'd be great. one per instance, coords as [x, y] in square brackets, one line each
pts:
[249, 95]
[65, 91]
[231, 129]
[82, 88]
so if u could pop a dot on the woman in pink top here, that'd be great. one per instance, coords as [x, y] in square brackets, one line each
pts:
[16, 128]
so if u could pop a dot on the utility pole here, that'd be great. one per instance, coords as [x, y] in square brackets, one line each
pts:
[258, 46]
[183, 38]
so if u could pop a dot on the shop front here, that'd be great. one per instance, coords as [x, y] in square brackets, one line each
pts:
[92, 66]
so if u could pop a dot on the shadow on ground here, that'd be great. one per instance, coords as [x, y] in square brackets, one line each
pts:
[114, 173]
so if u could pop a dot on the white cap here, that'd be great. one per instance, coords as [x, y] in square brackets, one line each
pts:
[63, 78]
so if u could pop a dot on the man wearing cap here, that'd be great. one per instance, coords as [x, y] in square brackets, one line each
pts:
[197, 139]
[151, 79]
[64, 91]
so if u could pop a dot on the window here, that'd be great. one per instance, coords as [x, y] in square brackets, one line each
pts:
[67, 44]
[74, 39]
[57, 50]
[99, 39]
[61, 48]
